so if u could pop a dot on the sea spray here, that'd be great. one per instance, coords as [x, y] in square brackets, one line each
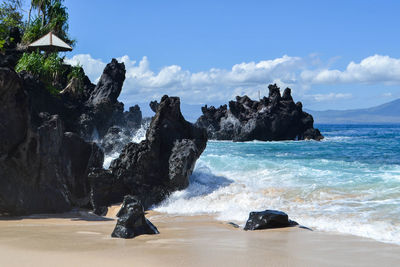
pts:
[349, 183]
[137, 136]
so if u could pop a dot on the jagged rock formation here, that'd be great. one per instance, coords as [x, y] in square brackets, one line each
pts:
[45, 139]
[103, 109]
[156, 166]
[133, 117]
[43, 168]
[273, 118]
[131, 221]
[268, 219]
[154, 105]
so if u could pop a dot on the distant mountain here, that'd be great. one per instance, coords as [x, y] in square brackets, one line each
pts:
[385, 113]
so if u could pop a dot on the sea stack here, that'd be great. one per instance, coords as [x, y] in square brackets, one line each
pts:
[273, 118]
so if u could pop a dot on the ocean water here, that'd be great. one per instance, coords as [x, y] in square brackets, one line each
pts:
[347, 183]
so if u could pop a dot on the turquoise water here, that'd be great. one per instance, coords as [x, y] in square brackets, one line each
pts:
[348, 183]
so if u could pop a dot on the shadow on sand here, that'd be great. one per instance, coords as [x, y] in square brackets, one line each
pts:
[74, 215]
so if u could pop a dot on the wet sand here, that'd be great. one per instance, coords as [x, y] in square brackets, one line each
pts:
[79, 239]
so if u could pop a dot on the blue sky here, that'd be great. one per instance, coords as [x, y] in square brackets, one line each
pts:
[333, 54]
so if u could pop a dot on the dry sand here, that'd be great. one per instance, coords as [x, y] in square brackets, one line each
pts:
[78, 239]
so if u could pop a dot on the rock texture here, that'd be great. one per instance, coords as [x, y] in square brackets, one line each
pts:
[43, 168]
[160, 164]
[273, 118]
[46, 148]
[102, 109]
[268, 219]
[131, 221]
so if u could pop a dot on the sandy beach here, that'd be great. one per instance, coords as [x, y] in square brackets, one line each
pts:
[79, 239]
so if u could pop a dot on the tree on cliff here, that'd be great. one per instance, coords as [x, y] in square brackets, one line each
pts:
[52, 16]
[10, 16]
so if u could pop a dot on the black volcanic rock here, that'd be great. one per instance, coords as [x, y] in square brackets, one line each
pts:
[273, 118]
[80, 158]
[131, 220]
[110, 84]
[43, 168]
[154, 105]
[268, 219]
[133, 117]
[44, 158]
[105, 189]
[181, 163]
[162, 163]
[104, 110]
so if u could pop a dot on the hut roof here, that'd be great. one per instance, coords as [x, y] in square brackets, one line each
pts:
[50, 42]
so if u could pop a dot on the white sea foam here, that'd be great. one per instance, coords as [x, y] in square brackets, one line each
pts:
[336, 195]
[108, 158]
[337, 138]
[137, 137]
[140, 134]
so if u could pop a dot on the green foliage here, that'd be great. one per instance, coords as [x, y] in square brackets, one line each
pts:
[47, 67]
[33, 32]
[2, 42]
[76, 72]
[10, 16]
[52, 16]
[31, 62]
[53, 67]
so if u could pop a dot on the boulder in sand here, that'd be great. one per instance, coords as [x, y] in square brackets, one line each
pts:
[131, 220]
[268, 219]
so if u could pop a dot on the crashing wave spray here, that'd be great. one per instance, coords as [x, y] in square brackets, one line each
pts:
[137, 136]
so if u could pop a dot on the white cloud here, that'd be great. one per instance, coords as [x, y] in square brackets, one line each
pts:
[143, 84]
[373, 69]
[388, 94]
[328, 97]
[93, 67]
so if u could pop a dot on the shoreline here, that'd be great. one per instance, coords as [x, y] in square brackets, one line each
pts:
[78, 238]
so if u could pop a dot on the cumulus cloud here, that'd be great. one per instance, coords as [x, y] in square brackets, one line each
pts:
[142, 84]
[93, 67]
[373, 69]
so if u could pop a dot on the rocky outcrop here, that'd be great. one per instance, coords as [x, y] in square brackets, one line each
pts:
[131, 221]
[102, 107]
[105, 190]
[43, 168]
[162, 163]
[154, 105]
[44, 158]
[133, 117]
[268, 219]
[273, 118]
